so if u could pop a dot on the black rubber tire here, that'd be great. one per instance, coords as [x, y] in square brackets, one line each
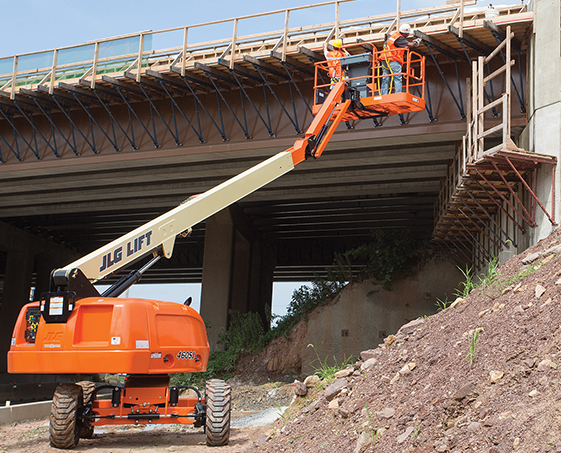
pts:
[218, 406]
[88, 387]
[64, 427]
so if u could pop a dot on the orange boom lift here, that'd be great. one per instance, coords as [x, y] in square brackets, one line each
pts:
[75, 329]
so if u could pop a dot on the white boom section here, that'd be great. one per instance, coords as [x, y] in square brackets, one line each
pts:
[163, 230]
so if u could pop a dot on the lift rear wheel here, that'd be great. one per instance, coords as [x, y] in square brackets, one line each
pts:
[88, 387]
[218, 402]
[64, 426]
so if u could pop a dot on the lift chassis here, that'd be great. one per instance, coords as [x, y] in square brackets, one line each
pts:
[73, 329]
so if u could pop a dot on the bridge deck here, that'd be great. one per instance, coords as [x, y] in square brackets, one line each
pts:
[371, 177]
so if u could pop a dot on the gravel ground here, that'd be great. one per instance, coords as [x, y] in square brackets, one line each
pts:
[248, 401]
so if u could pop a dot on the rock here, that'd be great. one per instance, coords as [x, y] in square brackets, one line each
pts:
[390, 340]
[311, 407]
[273, 364]
[496, 376]
[344, 412]
[300, 389]
[545, 364]
[516, 443]
[403, 437]
[264, 438]
[333, 390]
[465, 391]
[474, 426]
[529, 363]
[530, 258]
[387, 412]
[369, 354]
[410, 326]
[458, 301]
[405, 370]
[362, 443]
[442, 448]
[395, 378]
[311, 381]
[533, 393]
[539, 291]
[368, 364]
[333, 404]
[344, 373]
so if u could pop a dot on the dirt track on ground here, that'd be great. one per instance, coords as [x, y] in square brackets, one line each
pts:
[33, 437]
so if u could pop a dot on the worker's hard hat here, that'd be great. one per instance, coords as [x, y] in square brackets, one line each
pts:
[405, 29]
[337, 43]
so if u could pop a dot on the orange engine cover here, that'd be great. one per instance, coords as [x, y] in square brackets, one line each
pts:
[111, 335]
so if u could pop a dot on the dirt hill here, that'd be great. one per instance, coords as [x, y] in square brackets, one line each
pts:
[482, 375]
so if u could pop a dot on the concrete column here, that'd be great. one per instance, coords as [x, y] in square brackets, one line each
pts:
[237, 271]
[241, 273]
[261, 293]
[544, 95]
[216, 287]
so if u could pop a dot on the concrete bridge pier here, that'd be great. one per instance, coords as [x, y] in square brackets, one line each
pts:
[237, 271]
[543, 134]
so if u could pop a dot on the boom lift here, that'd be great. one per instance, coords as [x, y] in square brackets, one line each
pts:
[74, 329]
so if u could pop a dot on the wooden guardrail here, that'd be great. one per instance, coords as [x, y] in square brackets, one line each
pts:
[90, 61]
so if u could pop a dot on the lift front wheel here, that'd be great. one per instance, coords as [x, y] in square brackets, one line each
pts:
[88, 387]
[218, 402]
[64, 428]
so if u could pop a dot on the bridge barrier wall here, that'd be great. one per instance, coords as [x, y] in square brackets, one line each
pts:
[27, 411]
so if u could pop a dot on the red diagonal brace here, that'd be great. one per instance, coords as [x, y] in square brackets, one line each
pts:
[531, 192]
[527, 220]
[532, 221]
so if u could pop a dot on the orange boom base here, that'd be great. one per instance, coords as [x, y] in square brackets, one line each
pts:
[110, 335]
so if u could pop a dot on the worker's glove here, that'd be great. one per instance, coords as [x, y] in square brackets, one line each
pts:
[417, 42]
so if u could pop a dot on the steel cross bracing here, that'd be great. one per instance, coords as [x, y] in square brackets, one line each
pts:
[290, 55]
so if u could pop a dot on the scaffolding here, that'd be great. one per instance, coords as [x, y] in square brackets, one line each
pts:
[488, 178]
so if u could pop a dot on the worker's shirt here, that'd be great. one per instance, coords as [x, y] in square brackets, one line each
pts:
[334, 63]
[395, 47]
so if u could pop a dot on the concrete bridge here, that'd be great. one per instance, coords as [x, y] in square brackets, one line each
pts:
[98, 138]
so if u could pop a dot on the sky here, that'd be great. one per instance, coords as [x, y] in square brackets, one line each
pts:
[33, 26]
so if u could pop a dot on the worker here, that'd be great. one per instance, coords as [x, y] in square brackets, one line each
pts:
[392, 58]
[333, 60]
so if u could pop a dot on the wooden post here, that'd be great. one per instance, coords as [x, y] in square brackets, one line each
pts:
[285, 36]
[53, 72]
[398, 16]
[507, 81]
[336, 20]
[140, 51]
[14, 77]
[461, 33]
[480, 101]
[235, 35]
[94, 67]
[184, 62]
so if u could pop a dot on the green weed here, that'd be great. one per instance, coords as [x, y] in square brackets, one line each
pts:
[470, 357]
[372, 430]
[324, 370]
[468, 285]
[442, 304]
